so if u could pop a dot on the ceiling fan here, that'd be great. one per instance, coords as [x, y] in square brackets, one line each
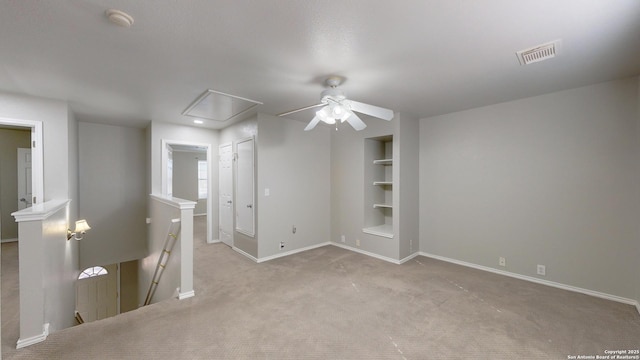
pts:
[336, 107]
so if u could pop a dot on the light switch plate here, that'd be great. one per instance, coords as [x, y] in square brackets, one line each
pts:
[266, 192]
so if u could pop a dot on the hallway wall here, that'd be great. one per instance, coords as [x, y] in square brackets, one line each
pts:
[113, 195]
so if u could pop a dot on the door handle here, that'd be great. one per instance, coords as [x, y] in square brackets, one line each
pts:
[250, 206]
[228, 201]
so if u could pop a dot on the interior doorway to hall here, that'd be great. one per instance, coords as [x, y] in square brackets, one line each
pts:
[15, 182]
[187, 174]
[16, 189]
[15, 177]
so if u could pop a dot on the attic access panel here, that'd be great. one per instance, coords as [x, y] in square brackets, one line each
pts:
[218, 106]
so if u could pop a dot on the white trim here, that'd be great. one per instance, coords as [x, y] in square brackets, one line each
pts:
[8, 240]
[34, 339]
[388, 259]
[291, 252]
[554, 284]
[244, 253]
[203, 214]
[186, 295]
[402, 261]
[177, 203]
[215, 241]
[40, 211]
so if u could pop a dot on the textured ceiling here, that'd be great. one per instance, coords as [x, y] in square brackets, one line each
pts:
[421, 57]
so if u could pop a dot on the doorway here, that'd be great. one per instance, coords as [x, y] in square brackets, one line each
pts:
[15, 178]
[97, 293]
[169, 147]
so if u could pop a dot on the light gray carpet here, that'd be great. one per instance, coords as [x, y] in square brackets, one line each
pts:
[330, 303]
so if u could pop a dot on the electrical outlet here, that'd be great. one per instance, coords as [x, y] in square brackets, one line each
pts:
[281, 245]
[542, 270]
[358, 242]
[343, 239]
[502, 261]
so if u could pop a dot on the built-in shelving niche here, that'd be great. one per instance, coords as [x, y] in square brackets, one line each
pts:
[378, 186]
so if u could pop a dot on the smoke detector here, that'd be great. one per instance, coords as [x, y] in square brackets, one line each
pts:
[119, 18]
[539, 53]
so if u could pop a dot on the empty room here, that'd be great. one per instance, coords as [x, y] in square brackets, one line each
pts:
[325, 179]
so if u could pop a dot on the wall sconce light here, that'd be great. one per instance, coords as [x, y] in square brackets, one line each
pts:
[81, 228]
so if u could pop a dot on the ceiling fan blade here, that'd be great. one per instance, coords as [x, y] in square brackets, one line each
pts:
[356, 122]
[371, 110]
[301, 109]
[312, 123]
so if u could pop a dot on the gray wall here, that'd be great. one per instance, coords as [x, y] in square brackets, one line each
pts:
[295, 166]
[113, 195]
[185, 178]
[407, 186]
[10, 141]
[231, 134]
[549, 180]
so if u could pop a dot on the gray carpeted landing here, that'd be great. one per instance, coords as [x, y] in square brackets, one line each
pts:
[330, 303]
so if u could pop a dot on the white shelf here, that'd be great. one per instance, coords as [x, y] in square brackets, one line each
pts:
[385, 230]
[383, 162]
[375, 206]
[382, 183]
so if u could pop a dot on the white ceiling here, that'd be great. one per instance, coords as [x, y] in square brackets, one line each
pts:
[421, 57]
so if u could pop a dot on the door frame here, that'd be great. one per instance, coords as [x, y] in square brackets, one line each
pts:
[166, 149]
[37, 164]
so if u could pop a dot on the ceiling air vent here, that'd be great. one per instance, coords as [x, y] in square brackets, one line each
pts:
[539, 52]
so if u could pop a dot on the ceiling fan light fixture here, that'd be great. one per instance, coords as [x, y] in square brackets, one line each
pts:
[325, 115]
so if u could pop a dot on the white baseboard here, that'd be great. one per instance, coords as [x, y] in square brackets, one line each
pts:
[402, 261]
[34, 339]
[186, 295]
[244, 253]
[215, 241]
[364, 252]
[291, 252]
[203, 214]
[9, 240]
[554, 284]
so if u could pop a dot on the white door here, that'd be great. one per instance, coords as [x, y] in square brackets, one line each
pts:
[226, 193]
[24, 178]
[244, 187]
[97, 296]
